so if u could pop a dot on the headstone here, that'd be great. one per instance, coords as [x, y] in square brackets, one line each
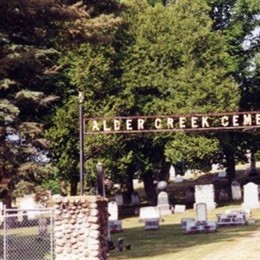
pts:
[178, 179]
[112, 210]
[28, 203]
[232, 217]
[119, 199]
[135, 199]
[201, 210]
[163, 204]
[205, 194]
[172, 173]
[222, 174]
[189, 195]
[223, 195]
[251, 197]
[236, 190]
[179, 208]
[184, 222]
[114, 224]
[42, 228]
[214, 167]
[150, 216]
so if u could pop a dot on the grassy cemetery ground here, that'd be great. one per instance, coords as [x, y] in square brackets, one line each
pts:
[170, 242]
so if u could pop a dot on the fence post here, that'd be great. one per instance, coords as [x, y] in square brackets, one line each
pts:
[52, 234]
[5, 236]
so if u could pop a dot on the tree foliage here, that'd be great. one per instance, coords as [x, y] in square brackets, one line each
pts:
[33, 35]
[132, 57]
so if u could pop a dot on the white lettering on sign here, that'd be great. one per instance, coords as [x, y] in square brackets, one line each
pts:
[140, 124]
[247, 120]
[95, 126]
[170, 122]
[106, 128]
[129, 124]
[204, 122]
[116, 125]
[257, 119]
[224, 121]
[158, 123]
[194, 122]
[235, 120]
[182, 122]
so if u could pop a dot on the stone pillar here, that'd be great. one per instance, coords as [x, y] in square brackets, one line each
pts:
[81, 228]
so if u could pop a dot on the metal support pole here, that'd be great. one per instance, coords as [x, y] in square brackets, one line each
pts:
[81, 143]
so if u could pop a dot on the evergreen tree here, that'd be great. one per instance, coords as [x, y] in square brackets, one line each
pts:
[33, 35]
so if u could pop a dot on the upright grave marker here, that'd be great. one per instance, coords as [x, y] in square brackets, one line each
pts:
[205, 193]
[251, 197]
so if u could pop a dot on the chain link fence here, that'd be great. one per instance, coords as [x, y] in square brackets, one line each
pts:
[27, 234]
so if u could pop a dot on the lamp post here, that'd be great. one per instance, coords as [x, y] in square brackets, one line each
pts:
[100, 180]
[81, 142]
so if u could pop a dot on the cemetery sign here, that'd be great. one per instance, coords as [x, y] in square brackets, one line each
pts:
[173, 123]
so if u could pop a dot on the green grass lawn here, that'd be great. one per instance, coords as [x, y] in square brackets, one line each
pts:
[170, 242]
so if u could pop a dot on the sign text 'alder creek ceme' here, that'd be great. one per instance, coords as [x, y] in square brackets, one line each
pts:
[173, 123]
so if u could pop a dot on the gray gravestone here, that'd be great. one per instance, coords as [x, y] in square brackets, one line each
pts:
[236, 190]
[222, 174]
[189, 195]
[135, 199]
[119, 199]
[223, 195]
[163, 203]
[251, 197]
[205, 194]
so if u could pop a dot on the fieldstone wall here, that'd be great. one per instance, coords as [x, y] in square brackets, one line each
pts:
[81, 228]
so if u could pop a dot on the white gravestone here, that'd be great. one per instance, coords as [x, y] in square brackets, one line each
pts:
[172, 173]
[112, 210]
[236, 190]
[114, 224]
[184, 222]
[202, 224]
[251, 197]
[179, 208]
[163, 204]
[178, 179]
[205, 194]
[150, 216]
[201, 211]
[28, 204]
